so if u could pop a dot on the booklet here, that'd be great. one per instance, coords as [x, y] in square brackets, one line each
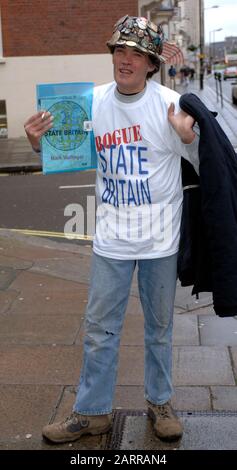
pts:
[69, 144]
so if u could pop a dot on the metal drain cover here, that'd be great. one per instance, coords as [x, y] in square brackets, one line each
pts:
[215, 430]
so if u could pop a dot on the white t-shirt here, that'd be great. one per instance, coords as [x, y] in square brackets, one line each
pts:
[138, 185]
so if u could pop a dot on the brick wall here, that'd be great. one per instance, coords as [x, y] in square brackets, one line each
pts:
[60, 27]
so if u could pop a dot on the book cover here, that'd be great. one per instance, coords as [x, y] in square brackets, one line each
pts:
[69, 144]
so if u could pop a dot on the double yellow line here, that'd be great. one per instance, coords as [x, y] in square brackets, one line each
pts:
[44, 233]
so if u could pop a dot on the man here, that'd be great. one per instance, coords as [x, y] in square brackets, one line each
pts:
[172, 75]
[139, 200]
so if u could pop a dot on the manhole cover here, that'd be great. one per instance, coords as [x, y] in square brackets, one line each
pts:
[203, 430]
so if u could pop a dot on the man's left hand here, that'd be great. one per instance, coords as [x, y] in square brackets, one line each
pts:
[182, 124]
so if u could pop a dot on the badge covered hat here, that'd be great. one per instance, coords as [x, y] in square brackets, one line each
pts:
[140, 33]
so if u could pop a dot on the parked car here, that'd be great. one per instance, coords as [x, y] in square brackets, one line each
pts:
[230, 72]
[234, 93]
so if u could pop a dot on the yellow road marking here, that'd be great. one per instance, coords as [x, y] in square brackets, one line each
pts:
[21, 172]
[44, 233]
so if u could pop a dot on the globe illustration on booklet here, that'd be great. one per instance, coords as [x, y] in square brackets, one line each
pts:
[68, 132]
[69, 144]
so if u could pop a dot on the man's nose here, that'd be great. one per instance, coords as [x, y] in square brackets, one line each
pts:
[126, 59]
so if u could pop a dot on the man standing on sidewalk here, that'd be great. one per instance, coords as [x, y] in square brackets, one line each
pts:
[172, 75]
[140, 135]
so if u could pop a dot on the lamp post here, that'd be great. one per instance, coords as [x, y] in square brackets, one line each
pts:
[201, 32]
[209, 44]
[214, 48]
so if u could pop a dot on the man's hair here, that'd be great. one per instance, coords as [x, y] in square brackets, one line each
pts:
[155, 62]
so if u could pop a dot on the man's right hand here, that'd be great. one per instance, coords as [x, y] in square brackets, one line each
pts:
[36, 126]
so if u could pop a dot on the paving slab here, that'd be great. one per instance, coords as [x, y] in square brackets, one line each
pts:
[7, 276]
[39, 329]
[65, 405]
[134, 306]
[188, 302]
[209, 310]
[41, 294]
[192, 398]
[129, 397]
[215, 331]
[6, 299]
[133, 330]
[24, 411]
[16, 263]
[233, 352]
[224, 398]
[214, 431]
[50, 365]
[185, 331]
[28, 249]
[202, 365]
[131, 365]
[76, 268]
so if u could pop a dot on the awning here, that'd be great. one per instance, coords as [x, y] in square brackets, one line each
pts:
[172, 54]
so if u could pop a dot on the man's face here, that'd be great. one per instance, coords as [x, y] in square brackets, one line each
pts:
[130, 69]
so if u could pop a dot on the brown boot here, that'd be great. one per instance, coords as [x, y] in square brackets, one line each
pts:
[77, 425]
[165, 422]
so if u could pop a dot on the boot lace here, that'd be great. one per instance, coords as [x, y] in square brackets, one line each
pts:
[164, 411]
[75, 418]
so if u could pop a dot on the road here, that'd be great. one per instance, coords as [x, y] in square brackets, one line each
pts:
[226, 88]
[45, 203]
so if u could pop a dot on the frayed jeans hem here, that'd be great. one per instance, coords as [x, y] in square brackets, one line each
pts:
[92, 412]
[153, 402]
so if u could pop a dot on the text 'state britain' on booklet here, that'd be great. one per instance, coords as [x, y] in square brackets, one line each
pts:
[69, 144]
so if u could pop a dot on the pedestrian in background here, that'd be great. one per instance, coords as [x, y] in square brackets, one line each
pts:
[172, 74]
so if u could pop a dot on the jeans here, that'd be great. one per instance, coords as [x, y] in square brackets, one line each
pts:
[108, 297]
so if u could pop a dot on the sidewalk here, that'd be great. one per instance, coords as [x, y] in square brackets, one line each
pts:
[17, 155]
[227, 116]
[43, 293]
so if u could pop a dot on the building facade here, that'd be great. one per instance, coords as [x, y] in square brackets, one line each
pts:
[53, 41]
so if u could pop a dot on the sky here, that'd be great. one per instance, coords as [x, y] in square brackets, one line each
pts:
[224, 17]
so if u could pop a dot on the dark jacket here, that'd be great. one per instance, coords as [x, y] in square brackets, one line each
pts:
[208, 245]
